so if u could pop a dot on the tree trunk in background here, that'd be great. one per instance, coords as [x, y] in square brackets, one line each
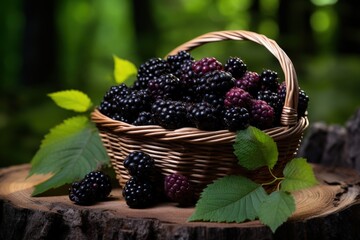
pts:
[39, 43]
[146, 32]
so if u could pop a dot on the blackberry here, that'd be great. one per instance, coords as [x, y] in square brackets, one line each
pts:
[154, 67]
[215, 82]
[250, 82]
[186, 70]
[166, 86]
[261, 114]
[303, 99]
[170, 114]
[236, 67]
[132, 104]
[236, 118]
[94, 187]
[139, 192]
[214, 100]
[273, 100]
[176, 61]
[139, 164]
[237, 97]
[109, 104]
[205, 117]
[144, 118]
[178, 189]
[205, 65]
[269, 80]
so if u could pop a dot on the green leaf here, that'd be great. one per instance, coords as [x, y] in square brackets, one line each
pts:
[276, 209]
[123, 70]
[254, 148]
[69, 151]
[229, 199]
[72, 100]
[298, 175]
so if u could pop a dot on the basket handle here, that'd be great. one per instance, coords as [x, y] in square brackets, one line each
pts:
[289, 112]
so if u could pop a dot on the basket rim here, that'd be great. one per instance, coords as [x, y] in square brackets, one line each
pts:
[190, 134]
[289, 114]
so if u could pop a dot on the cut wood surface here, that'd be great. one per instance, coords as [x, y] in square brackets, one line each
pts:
[330, 210]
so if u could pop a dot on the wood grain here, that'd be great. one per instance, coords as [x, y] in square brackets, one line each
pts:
[26, 217]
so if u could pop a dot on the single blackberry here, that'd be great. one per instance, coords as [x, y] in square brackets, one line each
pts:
[236, 67]
[214, 100]
[94, 187]
[250, 82]
[186, 70]
[109, 104]
[236, 118]
[154, 67]
[205, 65]
[179, 189]
[144, 118]
[303, 99]
[215, 82]
[139, 192]
[205, 117]
[132, 104]
[139, 164]
[166, 86]
[269, 80]
[176, 61]
[237, 97]
[273, 100]
[262, 115]
[170, 114]
[302, 103]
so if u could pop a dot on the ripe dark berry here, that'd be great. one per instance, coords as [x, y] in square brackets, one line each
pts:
[176, 62]
[250, 82]
[215, 82]
[237, 97]
[178, 189]
[236, 118]
[236, 67]
[144, 118]
[214, 100]
[273, 100]
[205, 65]
[154, 67]
[205, 116]
[166, 86]
[132, 104]
[139, 164]
[94, 187]
[261, 114]
[303, 99]
[139, 192]
[109, 104]
[269, 80]
[170, 114]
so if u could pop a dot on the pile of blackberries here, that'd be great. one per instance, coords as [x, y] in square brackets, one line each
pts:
[183, 92]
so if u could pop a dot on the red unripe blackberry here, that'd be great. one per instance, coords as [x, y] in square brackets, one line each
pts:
[205, 65]
[237, 97]
[262, 115]
[139, 164]
[94, 187]
[178, 189]
[273, 100]
[139, 192]
[250, 82]
[236, 118]
[236, 67]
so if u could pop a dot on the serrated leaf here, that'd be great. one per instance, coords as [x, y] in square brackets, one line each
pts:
[69, 151]
[229, 199]
[254, 148]
[123, 70]
[71, 100]
[276, 209]
[298, 175]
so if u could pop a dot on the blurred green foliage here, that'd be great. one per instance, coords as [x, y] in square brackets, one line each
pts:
[64, 44]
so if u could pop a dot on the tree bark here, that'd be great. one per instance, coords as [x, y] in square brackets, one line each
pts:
[330, 210]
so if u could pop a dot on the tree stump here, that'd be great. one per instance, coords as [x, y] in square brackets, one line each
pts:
[330, 210]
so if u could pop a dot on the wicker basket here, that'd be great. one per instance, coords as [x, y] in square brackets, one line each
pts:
[204, 156]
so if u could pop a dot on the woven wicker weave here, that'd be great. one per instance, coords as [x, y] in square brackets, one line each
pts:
[204, 156]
